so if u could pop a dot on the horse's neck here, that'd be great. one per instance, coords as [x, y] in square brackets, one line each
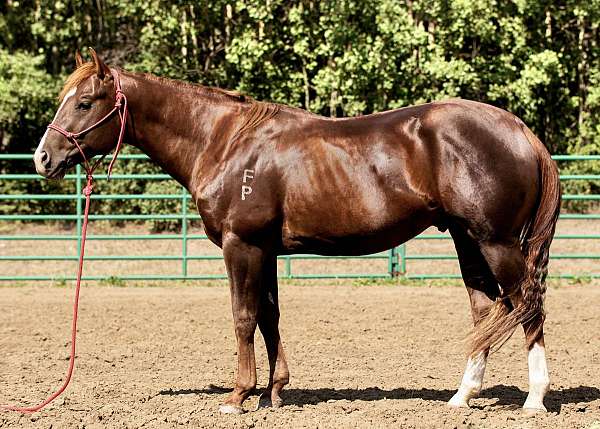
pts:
[172, 124]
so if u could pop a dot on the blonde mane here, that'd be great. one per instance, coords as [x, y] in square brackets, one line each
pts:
[80, 74]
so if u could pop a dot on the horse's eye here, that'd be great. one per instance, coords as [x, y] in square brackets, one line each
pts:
[84, 105]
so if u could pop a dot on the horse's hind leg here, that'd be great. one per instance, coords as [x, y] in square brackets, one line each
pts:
[508, 265]
[268, 323]
[539, 380]
[481, 286]
[472, 380]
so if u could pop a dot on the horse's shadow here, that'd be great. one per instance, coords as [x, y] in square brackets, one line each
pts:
[504, 395]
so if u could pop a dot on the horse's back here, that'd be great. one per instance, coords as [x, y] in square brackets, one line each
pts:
[394, 174]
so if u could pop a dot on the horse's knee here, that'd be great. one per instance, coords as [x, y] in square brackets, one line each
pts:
[245, 326]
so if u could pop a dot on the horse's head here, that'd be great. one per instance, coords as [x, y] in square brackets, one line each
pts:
[89, 95]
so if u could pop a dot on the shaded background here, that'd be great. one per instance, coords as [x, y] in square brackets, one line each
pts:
[538, 59]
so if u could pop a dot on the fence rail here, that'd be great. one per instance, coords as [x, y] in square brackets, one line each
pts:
[395, 260]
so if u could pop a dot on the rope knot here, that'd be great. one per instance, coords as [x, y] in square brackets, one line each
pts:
[87, 191]
[119, 98]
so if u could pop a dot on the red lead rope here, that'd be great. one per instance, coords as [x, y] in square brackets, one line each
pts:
[88, 192]
[121, 109]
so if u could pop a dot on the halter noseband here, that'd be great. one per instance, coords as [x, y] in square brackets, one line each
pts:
[120, 108]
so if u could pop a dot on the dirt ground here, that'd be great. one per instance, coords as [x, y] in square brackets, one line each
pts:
[360, 356]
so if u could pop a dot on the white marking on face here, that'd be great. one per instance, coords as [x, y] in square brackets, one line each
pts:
[37, 156]
[472, 381]
[539, 381]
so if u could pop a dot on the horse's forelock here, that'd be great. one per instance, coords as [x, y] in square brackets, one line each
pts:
[79, 75]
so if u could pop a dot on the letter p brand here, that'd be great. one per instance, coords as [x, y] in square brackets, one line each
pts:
[246, 190]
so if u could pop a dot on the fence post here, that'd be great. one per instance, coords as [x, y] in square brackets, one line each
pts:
[403, 259]
[79, 191]
[288, 267]
[184, 228]
[393, 262]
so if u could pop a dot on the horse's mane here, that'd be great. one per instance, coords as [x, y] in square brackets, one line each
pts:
[258, 113]
[206, 90]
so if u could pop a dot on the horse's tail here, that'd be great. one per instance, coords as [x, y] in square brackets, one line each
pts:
[536, 238]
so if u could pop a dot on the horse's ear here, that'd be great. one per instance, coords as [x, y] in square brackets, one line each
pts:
[78, 59]
[101, 68]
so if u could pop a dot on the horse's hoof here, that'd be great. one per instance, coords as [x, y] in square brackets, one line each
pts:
[458, 401]
[266, 401]
[277, 402]
[231, 409]
[531, 411]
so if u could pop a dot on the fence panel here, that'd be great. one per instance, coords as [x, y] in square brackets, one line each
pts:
[402, 260]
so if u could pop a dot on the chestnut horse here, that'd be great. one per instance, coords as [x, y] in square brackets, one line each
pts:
[271, 180]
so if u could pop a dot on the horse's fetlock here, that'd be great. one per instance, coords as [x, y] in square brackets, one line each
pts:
[473, 388]
[541, 382]
[246, 386]
[282, 378]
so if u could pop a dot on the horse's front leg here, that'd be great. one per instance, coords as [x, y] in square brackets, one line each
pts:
[268, 323]
[244, 267]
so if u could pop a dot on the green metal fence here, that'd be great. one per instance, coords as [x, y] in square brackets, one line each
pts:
[395, 262]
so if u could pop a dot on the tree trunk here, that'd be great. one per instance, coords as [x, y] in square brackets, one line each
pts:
[582, 69]
[306, 86]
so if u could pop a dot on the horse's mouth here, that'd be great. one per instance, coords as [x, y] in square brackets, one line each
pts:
[57, 174]
[61, 169]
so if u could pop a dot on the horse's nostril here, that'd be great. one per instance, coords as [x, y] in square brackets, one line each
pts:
[45, 159]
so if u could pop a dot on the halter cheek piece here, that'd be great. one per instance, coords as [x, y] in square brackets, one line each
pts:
[120, 108]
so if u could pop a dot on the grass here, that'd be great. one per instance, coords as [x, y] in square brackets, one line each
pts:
[114, 281]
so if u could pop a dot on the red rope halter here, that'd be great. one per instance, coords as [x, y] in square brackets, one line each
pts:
[120, 108]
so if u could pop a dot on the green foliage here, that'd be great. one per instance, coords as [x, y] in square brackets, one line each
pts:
[61, 283]
[27, 94]
[165, 206]
[114, 282]
[538, 59]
